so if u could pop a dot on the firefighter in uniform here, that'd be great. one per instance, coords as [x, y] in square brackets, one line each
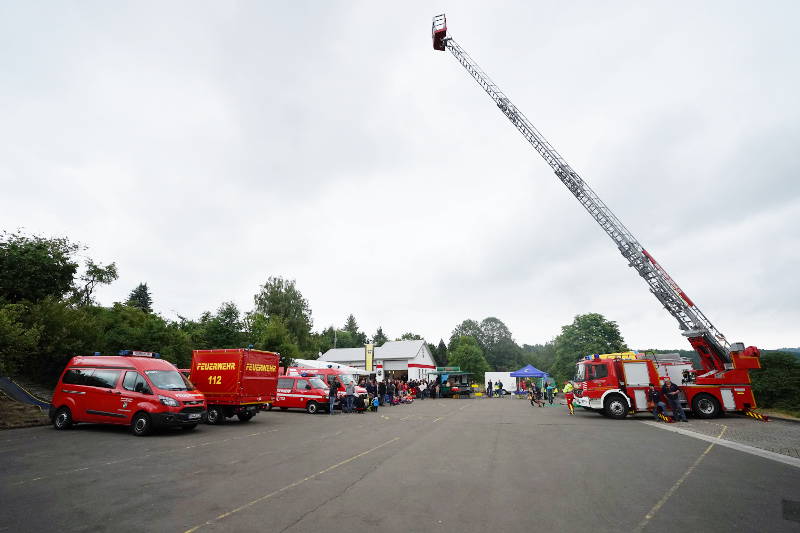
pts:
[569, 395]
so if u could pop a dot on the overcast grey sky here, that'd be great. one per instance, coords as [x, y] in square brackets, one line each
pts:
[206, 146]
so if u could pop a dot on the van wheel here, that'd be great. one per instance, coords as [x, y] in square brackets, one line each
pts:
[705, 406]
[189, 427]
[63, 418]
[615, 406]
[141, 425]
[215, 415]
[245, 417]
[312, 407]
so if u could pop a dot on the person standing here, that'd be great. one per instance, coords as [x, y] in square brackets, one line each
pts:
[569, 395]
[350, 392]
[489, 389]
[499, 388]
[654, 399]
[550, 393]
[381, 392]
[672, 393]
[390, 391]
[333, 390]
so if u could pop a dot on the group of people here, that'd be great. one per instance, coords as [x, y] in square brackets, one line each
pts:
[379, 393]
[538, 395]
[669, 392]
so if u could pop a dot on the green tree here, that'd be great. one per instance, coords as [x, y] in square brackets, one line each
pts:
[440, 353]
[380, 338]
[95, 274]
[542, 356]
[224, 329]
[16, 340]
[140, 298]
[272, 334]
[469, 328]
[777, 382]
[358, 337]
[588, 334]
[280, 298]
[410, 337]
[467, 354]
[34, 268]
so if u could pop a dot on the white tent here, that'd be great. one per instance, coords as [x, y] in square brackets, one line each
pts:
[316, 364]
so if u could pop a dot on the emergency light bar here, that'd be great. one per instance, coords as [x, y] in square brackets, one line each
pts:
[135, 353]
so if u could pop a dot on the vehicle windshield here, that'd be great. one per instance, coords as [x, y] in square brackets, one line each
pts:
[580, 374]
[169, 380]
[317, 383]
[344, 379]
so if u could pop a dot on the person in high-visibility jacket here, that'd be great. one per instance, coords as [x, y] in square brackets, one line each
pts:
[569, 395]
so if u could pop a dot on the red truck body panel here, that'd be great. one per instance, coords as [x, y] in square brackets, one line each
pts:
[235, 376]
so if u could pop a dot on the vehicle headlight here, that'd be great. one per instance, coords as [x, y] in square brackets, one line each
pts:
[169, 401]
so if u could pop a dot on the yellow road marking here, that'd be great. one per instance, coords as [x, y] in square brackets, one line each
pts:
[677, 484]
[288, 487]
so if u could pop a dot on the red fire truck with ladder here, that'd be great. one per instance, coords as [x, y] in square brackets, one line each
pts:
[723, 384]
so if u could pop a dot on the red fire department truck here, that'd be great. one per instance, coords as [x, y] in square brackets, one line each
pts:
[235, 381]
[724, 382]
[615, 384]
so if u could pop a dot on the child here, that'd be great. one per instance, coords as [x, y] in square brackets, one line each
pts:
[375, 404]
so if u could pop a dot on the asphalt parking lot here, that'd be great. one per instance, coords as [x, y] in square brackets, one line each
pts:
[436, 465]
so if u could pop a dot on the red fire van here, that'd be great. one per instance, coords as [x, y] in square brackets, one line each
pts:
[301, 392]
[135, 388]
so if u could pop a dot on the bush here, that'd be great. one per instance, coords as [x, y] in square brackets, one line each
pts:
[777, 383]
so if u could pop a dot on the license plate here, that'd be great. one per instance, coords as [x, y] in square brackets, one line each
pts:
[192, 416]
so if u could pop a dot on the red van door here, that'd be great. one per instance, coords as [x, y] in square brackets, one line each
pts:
[135, 390]
[103, 396]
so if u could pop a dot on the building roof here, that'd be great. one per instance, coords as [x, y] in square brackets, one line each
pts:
[390, 350]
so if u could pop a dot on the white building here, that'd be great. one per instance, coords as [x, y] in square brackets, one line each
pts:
[398, 359]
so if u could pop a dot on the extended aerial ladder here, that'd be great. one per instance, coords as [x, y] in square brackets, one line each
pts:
[717, 356]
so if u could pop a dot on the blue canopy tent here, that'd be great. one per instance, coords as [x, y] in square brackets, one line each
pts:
[529, 371]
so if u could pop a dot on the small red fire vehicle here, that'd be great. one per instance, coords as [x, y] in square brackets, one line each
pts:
[301, 392]
[134, 388]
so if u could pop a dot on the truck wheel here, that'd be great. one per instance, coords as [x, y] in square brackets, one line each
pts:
[141, 425]
[269, 407]
[312, 407]
[705, 406]
[215, 415]
[63, 418]
[284, 408]
[244, 417]
[615, 406]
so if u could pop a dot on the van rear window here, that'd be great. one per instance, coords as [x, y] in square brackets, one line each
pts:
[93, 377]
[77, 376]
[106, 379]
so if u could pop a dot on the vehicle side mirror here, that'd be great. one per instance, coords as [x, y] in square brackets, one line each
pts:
[139, 387]
[308, 387]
